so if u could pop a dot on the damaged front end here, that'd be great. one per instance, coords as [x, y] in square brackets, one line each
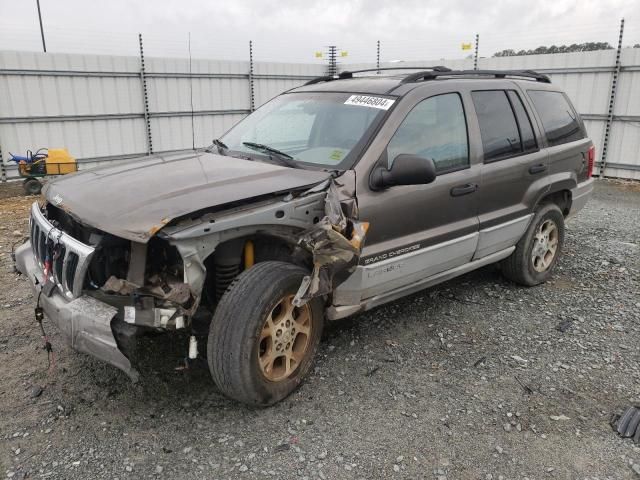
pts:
[335, 243]
[103, 291]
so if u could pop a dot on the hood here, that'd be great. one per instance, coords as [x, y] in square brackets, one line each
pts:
[136, 198]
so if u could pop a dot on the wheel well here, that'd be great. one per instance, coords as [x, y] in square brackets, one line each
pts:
[561, 198]
[228, 260]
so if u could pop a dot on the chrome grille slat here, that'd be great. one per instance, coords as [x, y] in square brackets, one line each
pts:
[70, 268]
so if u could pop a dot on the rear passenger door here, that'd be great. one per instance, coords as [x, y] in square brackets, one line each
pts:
[514, 168]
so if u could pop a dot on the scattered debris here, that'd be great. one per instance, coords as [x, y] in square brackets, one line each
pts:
[519, 359]
[564, 325]
[480, 361]
[626, 425]
[36, 391]
[525, 387]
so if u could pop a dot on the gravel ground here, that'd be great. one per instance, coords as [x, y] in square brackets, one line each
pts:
[476, 378]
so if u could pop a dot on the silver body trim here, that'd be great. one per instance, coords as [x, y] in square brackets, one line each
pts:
[380, 277]
[501, 236]
[338, 312]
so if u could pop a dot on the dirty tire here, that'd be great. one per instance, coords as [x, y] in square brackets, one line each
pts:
[519, 267]
[233, 349]
[32, 186]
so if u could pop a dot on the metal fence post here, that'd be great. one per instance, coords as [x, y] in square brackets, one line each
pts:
[475, 55]
[251, 86]
[3, 168]
[378, 58]
[333, 61]
[145, 98]
[612, 103]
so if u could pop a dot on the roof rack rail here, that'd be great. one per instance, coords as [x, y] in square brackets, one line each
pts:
[349, 74]
[432, 75]
[324, 78]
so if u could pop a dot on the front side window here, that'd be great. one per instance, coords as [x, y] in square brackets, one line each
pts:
[327, 130]
[559, 119]
[498, 127]
[436, 128]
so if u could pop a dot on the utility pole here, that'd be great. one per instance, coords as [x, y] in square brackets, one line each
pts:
[475, 55]
[378, 58]
[44, 45]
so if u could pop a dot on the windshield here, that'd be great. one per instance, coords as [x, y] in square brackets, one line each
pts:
[308, 128]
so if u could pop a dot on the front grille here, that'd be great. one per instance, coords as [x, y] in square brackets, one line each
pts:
[69, 258]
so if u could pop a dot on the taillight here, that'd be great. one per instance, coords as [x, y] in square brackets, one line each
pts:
[591, 160]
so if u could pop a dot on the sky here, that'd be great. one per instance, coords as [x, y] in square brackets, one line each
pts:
[294, 30]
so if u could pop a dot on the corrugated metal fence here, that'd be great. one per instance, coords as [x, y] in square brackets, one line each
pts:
[95, 105]
[102, 107]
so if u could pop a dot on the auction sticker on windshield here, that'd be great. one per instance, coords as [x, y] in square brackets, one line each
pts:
[369, 101]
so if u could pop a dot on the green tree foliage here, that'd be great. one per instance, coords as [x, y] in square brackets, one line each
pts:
[574, 47]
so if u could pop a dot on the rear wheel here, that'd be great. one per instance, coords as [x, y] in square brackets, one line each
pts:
[260, 346]
[32, 186]
[538, 250]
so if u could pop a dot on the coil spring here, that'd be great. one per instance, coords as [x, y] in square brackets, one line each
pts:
[224, 276]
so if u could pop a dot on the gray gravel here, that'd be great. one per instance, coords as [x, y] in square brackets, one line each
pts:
[476, 378]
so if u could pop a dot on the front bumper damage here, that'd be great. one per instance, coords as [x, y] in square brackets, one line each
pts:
[91, 322]
[85, 321]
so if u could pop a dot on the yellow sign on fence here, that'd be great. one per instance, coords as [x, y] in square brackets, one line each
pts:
[318, 54]
[467, 46]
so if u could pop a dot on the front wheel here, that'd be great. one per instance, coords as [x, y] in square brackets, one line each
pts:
[538, 250]
[260, 345]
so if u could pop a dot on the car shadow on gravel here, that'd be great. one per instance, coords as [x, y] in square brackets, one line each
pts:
[168, 378]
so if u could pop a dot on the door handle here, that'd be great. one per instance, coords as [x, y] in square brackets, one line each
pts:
[537, 168]
[463, 189]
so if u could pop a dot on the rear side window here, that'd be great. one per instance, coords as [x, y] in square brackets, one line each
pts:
[498, 127]
[436, 128]
[529, 143]
[559, 119]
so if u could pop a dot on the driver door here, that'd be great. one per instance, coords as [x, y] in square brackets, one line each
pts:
[418, 231]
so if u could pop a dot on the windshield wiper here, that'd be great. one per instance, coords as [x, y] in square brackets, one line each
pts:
[274, 153]
[220, 144]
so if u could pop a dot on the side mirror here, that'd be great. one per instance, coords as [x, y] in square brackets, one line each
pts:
[407, 169]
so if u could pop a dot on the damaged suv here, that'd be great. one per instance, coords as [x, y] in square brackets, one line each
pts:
[262, 235]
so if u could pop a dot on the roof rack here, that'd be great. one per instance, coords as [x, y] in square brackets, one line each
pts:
[432, 75]
[349, 74]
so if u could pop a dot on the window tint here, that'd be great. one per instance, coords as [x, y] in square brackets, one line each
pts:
[524, 122]
[559, 120]
[498, 128]
[436, 128]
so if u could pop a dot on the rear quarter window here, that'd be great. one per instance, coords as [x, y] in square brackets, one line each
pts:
[559, 119]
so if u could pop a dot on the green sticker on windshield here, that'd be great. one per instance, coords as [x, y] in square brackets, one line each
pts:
[336, 155]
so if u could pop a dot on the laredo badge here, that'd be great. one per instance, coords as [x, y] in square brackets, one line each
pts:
[369, 101]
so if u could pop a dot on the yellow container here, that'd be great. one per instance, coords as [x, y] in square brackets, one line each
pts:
[60, 162]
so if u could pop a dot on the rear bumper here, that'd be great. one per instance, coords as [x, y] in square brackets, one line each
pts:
[85, 322]
[580, 195]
